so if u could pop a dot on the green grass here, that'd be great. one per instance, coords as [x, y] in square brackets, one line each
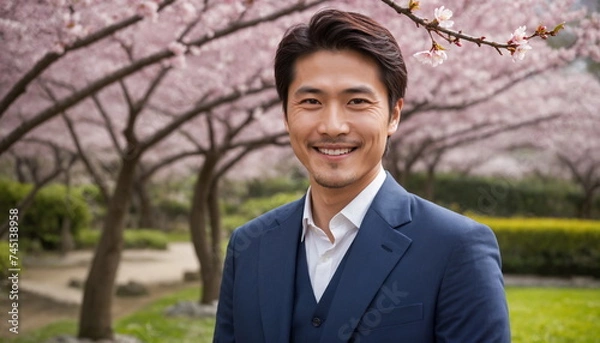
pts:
[538, 315]
[552, 315]
[151, 326]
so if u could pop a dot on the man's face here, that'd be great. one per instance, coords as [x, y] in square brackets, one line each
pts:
[338, 118]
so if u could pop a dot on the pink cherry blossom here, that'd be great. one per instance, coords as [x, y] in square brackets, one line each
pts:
[72, 25]
[148, 9]
[435, 56]
[519, 40]
[442, 16]
[519, 36]
[520, 51]
[177, 48]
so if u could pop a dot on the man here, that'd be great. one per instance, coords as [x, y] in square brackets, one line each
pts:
[358, 258]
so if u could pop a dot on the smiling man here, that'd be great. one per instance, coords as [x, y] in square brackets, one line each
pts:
[358, 258]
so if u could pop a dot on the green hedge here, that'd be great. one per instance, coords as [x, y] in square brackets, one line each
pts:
[133, 239]
[42, 222]
[546, 246]
[504, 197]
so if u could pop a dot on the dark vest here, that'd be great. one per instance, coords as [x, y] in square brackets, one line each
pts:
[309, 316]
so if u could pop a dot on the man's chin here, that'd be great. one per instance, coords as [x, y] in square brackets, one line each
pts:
[333, 183]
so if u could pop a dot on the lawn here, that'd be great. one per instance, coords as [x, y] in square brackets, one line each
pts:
[548, 315]
[552, 315]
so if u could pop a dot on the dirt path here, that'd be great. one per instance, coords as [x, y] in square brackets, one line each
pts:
[36, 311]
[45, 295]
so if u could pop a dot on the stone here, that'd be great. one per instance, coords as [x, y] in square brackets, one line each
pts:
[131, 289]
[76, 283]
[192, 309]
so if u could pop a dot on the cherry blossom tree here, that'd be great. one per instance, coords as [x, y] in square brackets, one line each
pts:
[126, 77]
[140, 81]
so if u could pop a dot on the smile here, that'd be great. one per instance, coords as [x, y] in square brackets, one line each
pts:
[335, 152]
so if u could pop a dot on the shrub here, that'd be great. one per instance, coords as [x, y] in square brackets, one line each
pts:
[503, 197]
[546, 246]
[51, 206]
[133, 239]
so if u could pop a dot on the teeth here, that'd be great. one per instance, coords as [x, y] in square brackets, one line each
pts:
[335, 152]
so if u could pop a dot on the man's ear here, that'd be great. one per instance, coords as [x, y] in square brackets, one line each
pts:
[395, 117]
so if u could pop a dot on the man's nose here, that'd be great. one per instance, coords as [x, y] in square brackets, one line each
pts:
[334, 122]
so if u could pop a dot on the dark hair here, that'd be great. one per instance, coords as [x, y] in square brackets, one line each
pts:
[337, 30]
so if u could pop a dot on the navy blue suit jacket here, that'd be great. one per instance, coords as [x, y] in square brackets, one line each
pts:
[416, 273]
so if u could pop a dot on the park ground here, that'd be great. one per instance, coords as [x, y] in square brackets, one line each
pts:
[45, 296]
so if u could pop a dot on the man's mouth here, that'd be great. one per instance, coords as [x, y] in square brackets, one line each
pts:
[334, 152]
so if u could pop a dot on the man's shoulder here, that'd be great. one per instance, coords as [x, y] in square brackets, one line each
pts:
[431, 216]
[268, 220]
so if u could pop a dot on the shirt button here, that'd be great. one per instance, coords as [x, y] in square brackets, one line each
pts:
[316, 322]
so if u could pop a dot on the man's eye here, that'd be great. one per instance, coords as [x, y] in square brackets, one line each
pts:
[310, 101]
[358, 101]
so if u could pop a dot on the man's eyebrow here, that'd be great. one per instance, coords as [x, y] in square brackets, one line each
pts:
[352, 90]
[308, 90]
[360, 90]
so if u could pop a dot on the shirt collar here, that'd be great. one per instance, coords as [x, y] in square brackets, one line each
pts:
[355, 211]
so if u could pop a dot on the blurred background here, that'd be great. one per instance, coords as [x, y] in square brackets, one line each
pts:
[138, 134]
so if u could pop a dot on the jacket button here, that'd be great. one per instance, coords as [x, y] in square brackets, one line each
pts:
[316, 322]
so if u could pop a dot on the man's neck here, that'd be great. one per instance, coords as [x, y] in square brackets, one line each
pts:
[327, 202]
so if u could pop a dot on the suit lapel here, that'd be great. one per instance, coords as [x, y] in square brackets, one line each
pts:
[376, 250]
[276, 272]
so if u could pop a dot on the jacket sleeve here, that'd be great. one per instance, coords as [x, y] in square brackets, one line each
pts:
[471, 304]
[224, 331]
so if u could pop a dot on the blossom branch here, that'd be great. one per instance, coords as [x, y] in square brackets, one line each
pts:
[517, 45]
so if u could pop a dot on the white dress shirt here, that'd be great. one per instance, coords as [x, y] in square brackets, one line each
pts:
[322, 256]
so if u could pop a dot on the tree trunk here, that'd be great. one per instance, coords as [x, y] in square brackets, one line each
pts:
[145, 213]
[586, 205]
[199, 223]
[67, 243]
[430, 183]
[212, 280]
[95, 316]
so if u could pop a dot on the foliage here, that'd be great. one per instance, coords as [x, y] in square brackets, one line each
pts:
[267, 187]
[52, 205]
[537, 315]
[173, 208]
[133, 239]
[546, 246]
[502, 197]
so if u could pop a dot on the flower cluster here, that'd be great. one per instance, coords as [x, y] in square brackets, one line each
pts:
[519, 44]
[442, 17]
[434, 56]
